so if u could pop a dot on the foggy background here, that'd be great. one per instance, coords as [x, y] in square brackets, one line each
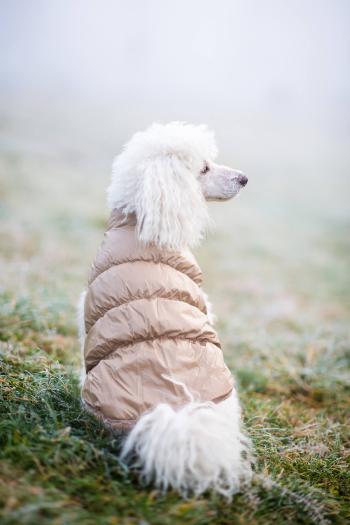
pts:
[271, 77]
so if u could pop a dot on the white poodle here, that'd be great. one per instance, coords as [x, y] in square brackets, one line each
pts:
[145, 323]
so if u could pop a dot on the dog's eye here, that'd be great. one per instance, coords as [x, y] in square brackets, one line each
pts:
[205, 168]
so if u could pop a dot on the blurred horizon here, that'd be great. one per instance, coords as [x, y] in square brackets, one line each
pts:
[269, 77]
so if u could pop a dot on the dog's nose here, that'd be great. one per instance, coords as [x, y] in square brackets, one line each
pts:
[242, 179]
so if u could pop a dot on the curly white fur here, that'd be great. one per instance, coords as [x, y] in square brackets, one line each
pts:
[155, 177]
[81, 331]
[196, 448]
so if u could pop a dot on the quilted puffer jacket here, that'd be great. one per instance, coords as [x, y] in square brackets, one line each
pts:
[147, 330]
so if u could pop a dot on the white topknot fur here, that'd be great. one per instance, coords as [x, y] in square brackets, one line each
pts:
[155, 177]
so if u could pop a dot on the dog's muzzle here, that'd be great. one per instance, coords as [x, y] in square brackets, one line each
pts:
[242, 179]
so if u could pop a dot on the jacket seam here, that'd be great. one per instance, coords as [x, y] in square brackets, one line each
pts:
[140, 298]
[149, 339]
[146, 261]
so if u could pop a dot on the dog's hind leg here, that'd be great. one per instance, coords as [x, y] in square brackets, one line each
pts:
[82, 333]
[210, 311]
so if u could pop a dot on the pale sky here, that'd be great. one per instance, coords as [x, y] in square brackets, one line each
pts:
[270, 76]
[250, 52]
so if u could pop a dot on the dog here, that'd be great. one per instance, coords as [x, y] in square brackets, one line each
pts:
[153, 368]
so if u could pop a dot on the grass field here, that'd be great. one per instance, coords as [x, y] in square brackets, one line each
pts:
[277, 272]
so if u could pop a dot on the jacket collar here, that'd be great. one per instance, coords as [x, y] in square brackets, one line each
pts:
[118, 218]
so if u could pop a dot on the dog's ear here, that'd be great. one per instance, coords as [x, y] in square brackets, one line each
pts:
[169, 204]
[156, 177]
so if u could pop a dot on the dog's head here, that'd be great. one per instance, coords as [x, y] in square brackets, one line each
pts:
[164, 175]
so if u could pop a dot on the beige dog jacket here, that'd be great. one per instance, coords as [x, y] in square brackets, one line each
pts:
[147, 330]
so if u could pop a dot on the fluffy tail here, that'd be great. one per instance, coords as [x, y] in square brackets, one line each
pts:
[194, 449]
